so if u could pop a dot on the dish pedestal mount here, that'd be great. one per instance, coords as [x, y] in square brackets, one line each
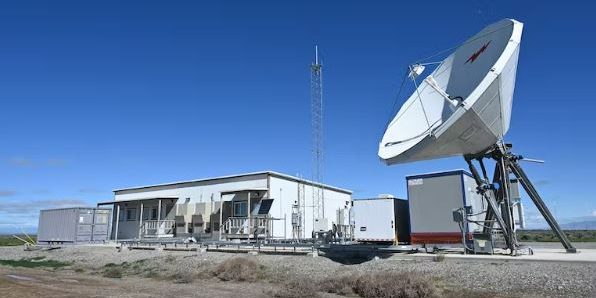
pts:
[497, 194]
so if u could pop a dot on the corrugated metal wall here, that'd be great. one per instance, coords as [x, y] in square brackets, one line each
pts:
[73, 225]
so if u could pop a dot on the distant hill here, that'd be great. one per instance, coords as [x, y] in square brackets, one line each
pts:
[580, 225]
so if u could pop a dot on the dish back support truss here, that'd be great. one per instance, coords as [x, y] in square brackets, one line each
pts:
[497, 195]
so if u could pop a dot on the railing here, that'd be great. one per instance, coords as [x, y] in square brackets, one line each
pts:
[158, 228]
[238, 227]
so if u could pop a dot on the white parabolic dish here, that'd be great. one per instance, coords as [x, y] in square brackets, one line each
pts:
[464, 105]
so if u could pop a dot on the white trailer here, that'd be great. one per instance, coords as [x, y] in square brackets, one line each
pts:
[381, 220]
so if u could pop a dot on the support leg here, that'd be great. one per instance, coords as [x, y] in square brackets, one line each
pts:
[502, 178]
[493, 210]
[533, 193]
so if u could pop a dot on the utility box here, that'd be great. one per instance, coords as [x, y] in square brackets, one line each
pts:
[518, 210]
[74, 225]
[432, 200]
[381, 220]
[483, 243]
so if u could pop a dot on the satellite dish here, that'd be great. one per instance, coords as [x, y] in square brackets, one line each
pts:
[464, 105]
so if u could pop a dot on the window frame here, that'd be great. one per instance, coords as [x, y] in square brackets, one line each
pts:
[243, 207]
[131, 214]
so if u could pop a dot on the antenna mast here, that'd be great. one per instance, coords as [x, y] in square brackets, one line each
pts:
[316, 104]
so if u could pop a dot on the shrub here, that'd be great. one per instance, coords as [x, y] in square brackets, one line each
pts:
[296, 288]
[238, 269]
[439, 258]
[151, 273]
[397, 285]
[340, 285]
[113, 272]
[180, 278]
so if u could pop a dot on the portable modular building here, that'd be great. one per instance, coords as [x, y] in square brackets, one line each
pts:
[73, 225]
[381, 220]
[433, 198]
[246, 206]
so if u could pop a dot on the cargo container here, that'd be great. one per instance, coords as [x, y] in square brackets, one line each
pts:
[433, 198]
[381, 220]
[77, 225]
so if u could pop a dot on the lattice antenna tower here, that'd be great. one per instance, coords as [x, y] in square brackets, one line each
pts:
[316, 104]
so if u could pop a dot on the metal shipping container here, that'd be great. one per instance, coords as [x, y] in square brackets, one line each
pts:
[432, 199]
[74, 225]
[381, 220]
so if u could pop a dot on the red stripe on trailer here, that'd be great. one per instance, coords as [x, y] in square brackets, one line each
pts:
[437, 238]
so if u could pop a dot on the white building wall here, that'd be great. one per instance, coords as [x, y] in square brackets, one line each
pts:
[285, 192]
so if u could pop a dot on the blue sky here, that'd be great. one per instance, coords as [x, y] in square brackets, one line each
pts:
[96, 96]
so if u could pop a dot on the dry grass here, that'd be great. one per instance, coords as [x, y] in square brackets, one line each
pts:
[439, 258]
[398, 285]
[238, 269]
[36, 262]
[395, 285]
[113, 272]
[341, 285]
[296, 288]
[180, 278]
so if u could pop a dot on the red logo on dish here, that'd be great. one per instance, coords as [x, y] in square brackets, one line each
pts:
[475, 55]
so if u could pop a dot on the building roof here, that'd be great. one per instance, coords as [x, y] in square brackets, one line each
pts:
[440, 174]
[270, 173]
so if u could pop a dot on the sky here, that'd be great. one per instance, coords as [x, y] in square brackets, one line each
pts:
[98, 95]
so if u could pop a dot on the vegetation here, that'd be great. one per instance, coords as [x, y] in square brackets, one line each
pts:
[296, 288]
[384, 284]
[9, 240]
[36, 262]
[113, 272]
[239, 269]
[549, 236]
[439, 258]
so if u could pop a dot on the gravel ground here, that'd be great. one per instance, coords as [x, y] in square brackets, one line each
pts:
[500, 278]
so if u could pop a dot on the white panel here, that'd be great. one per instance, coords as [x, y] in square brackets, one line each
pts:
[374, 220]
[282, 206]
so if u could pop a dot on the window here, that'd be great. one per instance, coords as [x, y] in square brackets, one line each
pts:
[122, 215]
[146, 213]
[168, 209]
[240, 208]
[131, 214]
[154, 213]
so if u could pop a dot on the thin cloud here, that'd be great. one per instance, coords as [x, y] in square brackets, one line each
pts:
[542, 182]
[593, 212]
[91, 190]
[56, 162]
[29, 207]
[7, 193]
[21, 162]
[15, 215]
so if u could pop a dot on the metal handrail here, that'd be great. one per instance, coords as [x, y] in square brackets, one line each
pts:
[239, 225]
[158, 227]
